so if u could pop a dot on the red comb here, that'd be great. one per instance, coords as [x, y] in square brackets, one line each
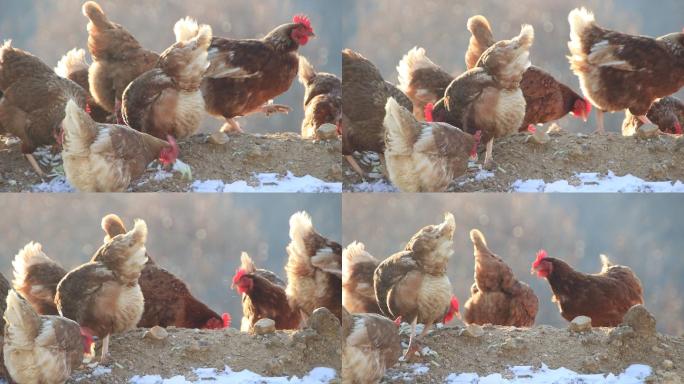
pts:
[587, 105]
[302, 19]
[678, 128]
[453, 308]
[226, 320]
[540, 256]
[87, 108]
[238, 275]
[429, 107]
[454, 303]
[531, 128]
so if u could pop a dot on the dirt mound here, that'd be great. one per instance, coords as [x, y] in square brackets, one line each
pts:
[656, 159]
[238, 159]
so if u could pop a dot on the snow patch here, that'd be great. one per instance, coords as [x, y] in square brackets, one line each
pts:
[636, 373]
[319, 375]
[270, 182]
[594, 182]
[57, 184]
[374, 186]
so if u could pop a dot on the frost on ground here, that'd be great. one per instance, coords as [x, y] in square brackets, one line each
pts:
[636, 373]
[594, 182]
[269, 182]
[319, 375]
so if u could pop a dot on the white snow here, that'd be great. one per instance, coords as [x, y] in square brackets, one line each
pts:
[594, 182]
[636, 373]
[319, 375]
[374, 186]
[57, 184]
[269, 182]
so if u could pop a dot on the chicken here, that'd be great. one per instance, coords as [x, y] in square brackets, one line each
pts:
[118, 58]
[605, 297]
[167, 100]
[4, 288]
[423, 81]
[619, 71]
[246, 74]
[107, 157]
[36, 277]
[103, 295]
[263, 296]
[371, 345]
[424, 157]
[168, 300]
[358, 266]
[322, 98]
[364, 95]
[488, 98]
[73, 66]
[497, 296]
[314, 269]
[481, 38]
[41, 349]
[34, 96]
[414, 284]
[667, 113]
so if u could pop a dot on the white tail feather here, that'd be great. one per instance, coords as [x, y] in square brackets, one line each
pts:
[185, 29]
[72, 61]
[413, 60]
[31, 254]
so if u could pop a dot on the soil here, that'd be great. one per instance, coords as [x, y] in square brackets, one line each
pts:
[239, 159]
[655, 159]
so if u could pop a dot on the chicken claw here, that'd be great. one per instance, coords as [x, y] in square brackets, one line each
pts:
[232, 127]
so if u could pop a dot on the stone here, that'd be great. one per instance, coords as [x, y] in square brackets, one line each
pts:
[640, 320]
[324, 322]
[580, 324]
[668, 364]
[538, 137]
[218, 138]
[264, 326]
[156, 333]
[326, 132]
[554, 129]
[473, 330]
[647, 131]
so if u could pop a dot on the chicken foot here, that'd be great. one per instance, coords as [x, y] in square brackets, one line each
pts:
[411, 347]
[231, 127]
[32, 160]
[357, 168]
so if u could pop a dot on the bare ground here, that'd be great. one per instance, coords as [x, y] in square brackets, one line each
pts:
[656, 159]
[238, 159]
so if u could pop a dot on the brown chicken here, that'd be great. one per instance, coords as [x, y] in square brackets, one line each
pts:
[364, 96]
[103, 295]
[246, 74]
[371, 345]
[605, 297]
[41, 349]
[263, 296]
[414, 284]
[118, 58]
[497, 296]
[73, 66]
[619, 71]
[424, 157]
[322, 98]
[34, 96]
[36, 277]
[108, 157]
[314, 269]
[168, 300]
[167, 100]
[423, 81]
[488, 98]
[358, 266]
[667, 113]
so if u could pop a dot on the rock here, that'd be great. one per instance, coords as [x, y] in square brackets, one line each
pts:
[640, 320]
[156, 333]
[264, 326]
[538, 137]
[324, 322]
[254, 152]
[580, 324]
[218, 138]
[668, 364]
[513, 343]
[336, 172]
[554, 129]
[326, 132]
[647, 131]
[620, 334]
[473, 330]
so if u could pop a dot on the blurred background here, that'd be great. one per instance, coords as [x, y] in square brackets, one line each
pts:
[642, 232]
[199, 238]
[48, 29]
[384, 30]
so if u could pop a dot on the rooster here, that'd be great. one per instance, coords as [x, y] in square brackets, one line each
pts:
[245, 75]
[497, 296]
[424, 157]
[667, 113]
[358, 266]
[322, 98]
[167, 100]
[36, 277]
[605, 297]
[263, 296]
[413, 283]
[619, 71]
[314, 269]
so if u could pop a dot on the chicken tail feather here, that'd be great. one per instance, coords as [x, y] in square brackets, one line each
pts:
[79, 130]
[401, 128]
[71, 62]
[94, 12]
[31, 254]
[22, 321]
[112, 225]
[185, 29]
[605, 262]
[412, 61]
[306, 71]
[580, 20]
[478, 240]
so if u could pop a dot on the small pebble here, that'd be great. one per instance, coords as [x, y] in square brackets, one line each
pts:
[264, 326]
[580, 324]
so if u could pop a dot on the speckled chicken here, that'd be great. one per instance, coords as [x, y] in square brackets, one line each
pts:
[371, 344]
[414, 284]
[364, 95]
[33, 101]
[424, 157]
[118, 58]
[322, 98]
[497, 296]
[36, 277]
[619, 71]
[358, 266]
[667, 113]
[263, 296]
[167, 100]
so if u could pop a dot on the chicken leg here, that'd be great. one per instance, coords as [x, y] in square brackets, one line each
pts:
[599, 121]
[104, 359]
[231, 127]
[412, 348]
[32, 160]
[355, 165]
[489, 159]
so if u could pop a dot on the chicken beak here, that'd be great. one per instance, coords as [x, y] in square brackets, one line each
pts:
[311, 34]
